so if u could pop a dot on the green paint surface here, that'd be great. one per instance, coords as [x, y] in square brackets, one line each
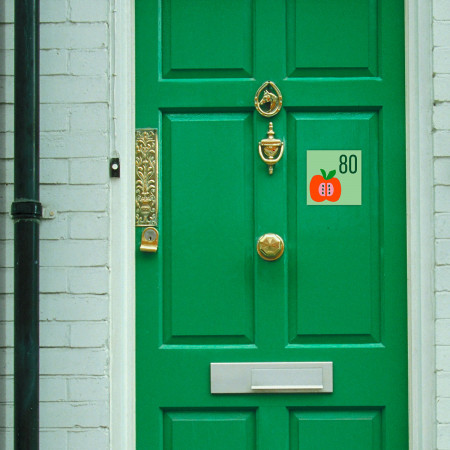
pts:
[205, 431]
[336, 430]
[339, 291]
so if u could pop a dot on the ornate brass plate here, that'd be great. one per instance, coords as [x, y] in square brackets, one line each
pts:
[268, 99]
[146, 177]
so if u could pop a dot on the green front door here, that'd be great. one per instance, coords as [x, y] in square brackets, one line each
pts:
[338, 293]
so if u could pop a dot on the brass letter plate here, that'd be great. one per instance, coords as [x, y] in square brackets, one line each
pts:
[272, 378]
[146, 177]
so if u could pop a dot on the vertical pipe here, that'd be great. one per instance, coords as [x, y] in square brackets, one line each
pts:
[26, 211]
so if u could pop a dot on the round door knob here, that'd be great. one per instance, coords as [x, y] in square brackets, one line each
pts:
[270, 246]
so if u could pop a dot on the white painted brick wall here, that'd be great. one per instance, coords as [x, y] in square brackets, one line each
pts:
[441, 123]
[75, 142]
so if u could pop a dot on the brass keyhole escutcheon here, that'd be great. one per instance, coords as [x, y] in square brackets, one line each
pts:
[149, 240]
[270, 246]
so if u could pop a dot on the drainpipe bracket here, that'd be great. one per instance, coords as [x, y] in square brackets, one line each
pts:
[26, 209]
[48, 213]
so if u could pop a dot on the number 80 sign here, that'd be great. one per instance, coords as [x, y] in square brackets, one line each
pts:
[333, 177]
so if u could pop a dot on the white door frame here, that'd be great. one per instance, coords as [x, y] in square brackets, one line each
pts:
[420, 224]
[419, 100]
[122, 276]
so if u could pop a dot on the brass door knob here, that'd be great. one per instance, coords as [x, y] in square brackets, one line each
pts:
[270, 246]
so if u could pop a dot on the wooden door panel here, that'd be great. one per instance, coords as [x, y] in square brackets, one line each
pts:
[334, 257]
[207, 237]
[335, 430]
[341, 41]
[210, 429]
[191, 46]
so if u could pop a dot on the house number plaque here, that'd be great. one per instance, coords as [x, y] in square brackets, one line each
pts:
[333, 177]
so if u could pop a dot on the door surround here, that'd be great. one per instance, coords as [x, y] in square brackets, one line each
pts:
[420, 226]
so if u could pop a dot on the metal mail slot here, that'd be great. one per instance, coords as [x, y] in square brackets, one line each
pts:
[271, 377]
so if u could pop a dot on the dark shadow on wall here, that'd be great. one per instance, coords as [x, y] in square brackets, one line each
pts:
[6, 225]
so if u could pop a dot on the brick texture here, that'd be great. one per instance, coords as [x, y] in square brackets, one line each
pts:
[75, 277]
[74, 306]
[441, 141]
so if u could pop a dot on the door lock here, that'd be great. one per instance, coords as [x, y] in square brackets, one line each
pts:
[146, 158]
[149, 240]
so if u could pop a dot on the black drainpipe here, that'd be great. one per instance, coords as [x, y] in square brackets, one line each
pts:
[26, 211]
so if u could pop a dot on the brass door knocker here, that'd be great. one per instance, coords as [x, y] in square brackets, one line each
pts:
[271, 149]
[271, 100]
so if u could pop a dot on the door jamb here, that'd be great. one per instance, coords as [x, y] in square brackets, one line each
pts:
[420, 226]
[122, 247]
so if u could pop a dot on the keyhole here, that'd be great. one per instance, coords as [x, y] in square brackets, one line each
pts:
[150, 235]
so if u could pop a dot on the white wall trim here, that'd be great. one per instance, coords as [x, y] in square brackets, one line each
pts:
[122, 277]
[419, 103]
[420, 226]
